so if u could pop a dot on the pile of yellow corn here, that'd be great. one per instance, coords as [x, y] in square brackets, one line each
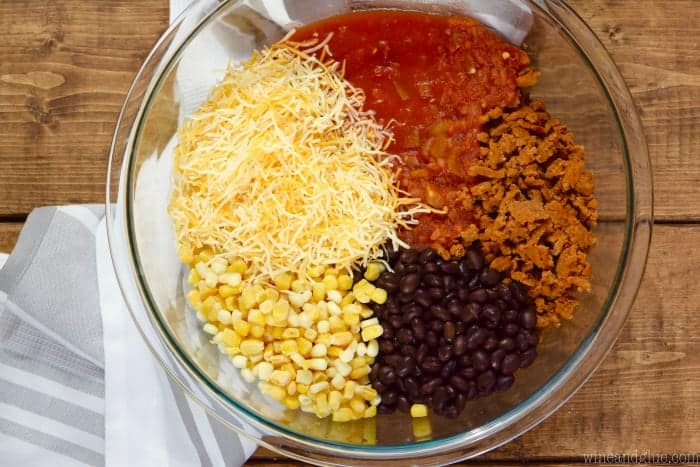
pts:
[308, 341]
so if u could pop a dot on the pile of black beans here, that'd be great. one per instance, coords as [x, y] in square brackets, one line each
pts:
[453, 331]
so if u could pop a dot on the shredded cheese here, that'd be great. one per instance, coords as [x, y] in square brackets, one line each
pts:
[282, 166]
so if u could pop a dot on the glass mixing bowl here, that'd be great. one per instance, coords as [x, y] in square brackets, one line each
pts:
[579, 84]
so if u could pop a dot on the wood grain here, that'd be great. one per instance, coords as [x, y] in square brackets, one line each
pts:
[8, 235]
[65, 67]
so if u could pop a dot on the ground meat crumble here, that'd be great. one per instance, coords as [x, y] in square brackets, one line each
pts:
[535, 207]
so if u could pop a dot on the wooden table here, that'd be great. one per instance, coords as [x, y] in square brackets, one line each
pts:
[65, 66]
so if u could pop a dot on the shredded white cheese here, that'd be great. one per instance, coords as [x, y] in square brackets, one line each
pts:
[282, 167]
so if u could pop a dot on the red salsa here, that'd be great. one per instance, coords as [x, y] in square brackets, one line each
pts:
[432, 78]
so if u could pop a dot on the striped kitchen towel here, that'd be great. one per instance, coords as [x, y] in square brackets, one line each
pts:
[52, 372]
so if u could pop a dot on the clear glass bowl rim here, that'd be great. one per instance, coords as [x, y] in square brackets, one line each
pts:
[529, 412]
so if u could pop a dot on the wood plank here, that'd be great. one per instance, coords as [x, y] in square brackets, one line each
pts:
[655, 46]
[643, 399]
[8, 235]
[65, 67]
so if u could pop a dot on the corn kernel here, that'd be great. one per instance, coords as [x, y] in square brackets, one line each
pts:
[304, 346]
[239, 361]
[344, 282]
[293, 319]
[336, 324]
[334, 296]
[343, 415]
[210, 329]
[338, 381]
[278, 360]
[318, 291]
[252, 347]
[320, 376]
[230, 338]
[292, 388]
[366, 392]
[324, 339]
[298, 359]
[341, 339]
[361, 349]
[370, 412]
[322, 409]
[315, 271]
[256, 317]
[372, 348]
[358, 406]
[273, 391]
[310, 334]
[280, 311]
[242, 328]
[335, 352]
[358, 373]
[319, 350]
[349, 390]
[280, 378]
[330, 282]
[372, 332]
[298, 299]
[379, 296]
[238, 266]
[357, 362]
[343, 368]
[419, 410]
[351, 319]
[334, 400]
[349, 352]
[186, 254]
[288, 347]
[232, 279]
[263, 370]
[290, 333]
[304, 377]
[323, 326]
[373, 271]
[366, 312]
[334, 309]
[317, 364]
[421, 428]
[302, 389]
[283, 281]
[256, 358]
[218, 265]
[257, 331]
[291, 403]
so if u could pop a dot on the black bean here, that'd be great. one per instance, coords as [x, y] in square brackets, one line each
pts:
[427, 256]
[408, 256]
[432, 280]
[463, 294]
[480, 360]
[490, 343]
[474, 259]
[430, 386]
[408, 351]
[419, 331]
[422, 352]
[444, 353]
[459, 383]
[431, 267]
[465, 360]
[439, 396]
[409, 283]
[379, 387]
[511, 362]
[403, 404]
[412, 311]
[486, 381]
[423, 298]
[491, 314]
[511, 329]
[473, 283]
[490, 277]
[450, 331]
[460, 345]
[455, 308]
[431, 364]
[405, 297]
[460, 402]
[436, 293]
[396, 322]
[448, 267]
[448, 368]
[387, 375]
[507, 344]
[527, 358]
[470, 312]
[475, 339]
[496, 359]
[523, 341]
[412, 387]
[385, 346]
[510, 315]
[388, 332]
[502, 383]
[504, 292]
[405, 336]
[479, 296]
[388, 397]
[449, 283]
[528, 319]
[432, 339]
[440, 312]
[518, 293]
[388, 281]
[469, 373]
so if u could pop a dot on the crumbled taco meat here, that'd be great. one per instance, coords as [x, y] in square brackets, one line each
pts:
[535, 207]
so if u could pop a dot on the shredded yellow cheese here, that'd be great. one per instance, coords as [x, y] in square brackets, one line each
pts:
[282, 166]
